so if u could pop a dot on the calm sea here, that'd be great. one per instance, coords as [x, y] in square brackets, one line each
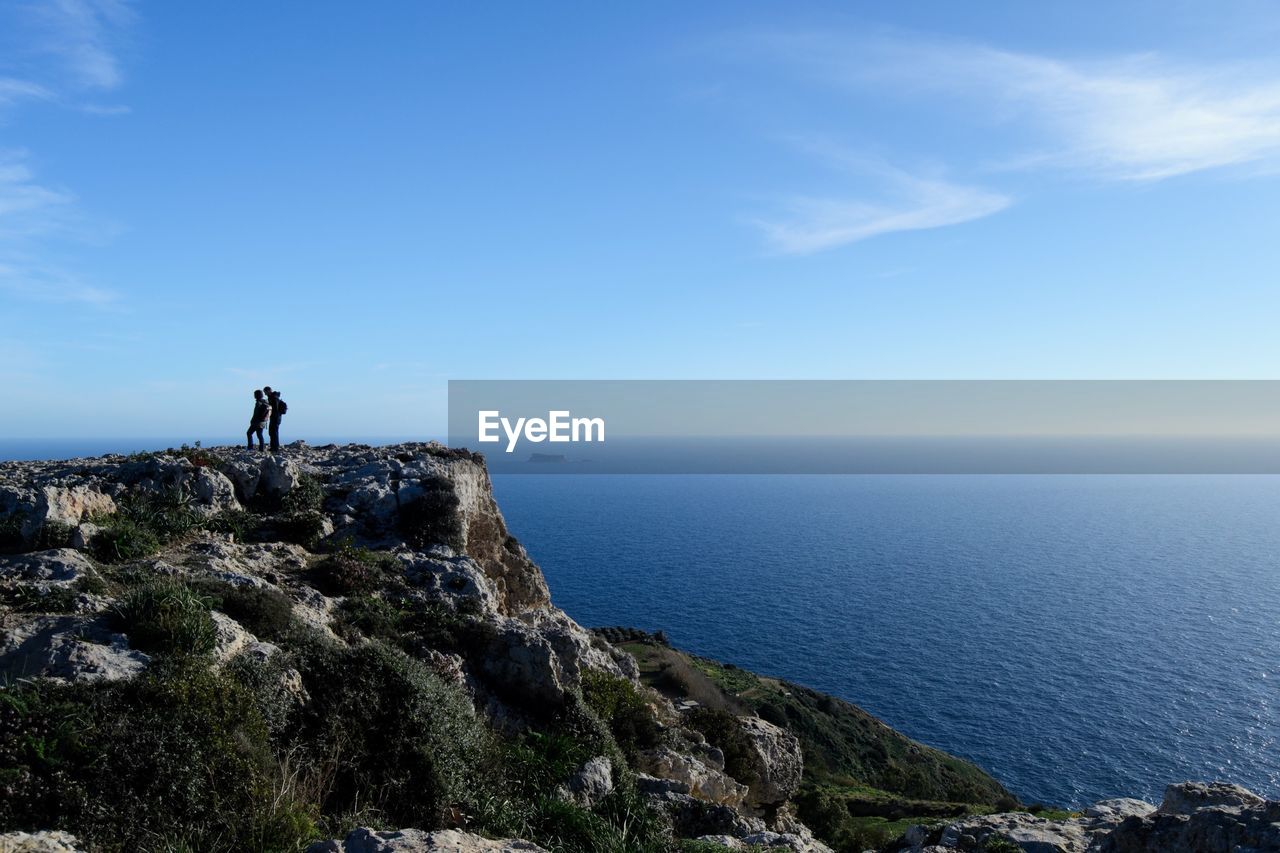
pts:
[1079, 637]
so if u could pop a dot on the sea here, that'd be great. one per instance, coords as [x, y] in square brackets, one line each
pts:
[1077, 636]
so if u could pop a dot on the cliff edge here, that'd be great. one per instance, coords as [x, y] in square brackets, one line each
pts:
[213, 649]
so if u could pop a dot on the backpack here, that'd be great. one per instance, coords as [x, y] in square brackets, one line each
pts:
[282, 408]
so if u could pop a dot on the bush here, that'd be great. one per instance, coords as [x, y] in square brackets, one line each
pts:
[142, 524]
[11, 532]
[240, 523]
[393, 736]
[176, 759]
[617, 702]
[265, 612]
[722, 730]
[31, 599]
[433, 517]
[307, 495]
[52, 534]
[168, 617]
[304, 527]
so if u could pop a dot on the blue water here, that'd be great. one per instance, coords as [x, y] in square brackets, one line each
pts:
[1079, 637]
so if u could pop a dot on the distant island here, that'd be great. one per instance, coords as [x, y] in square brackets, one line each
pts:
[342, 648]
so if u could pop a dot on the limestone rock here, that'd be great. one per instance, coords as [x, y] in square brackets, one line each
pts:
[59, 566]
[214, 490]
[364, 840]
[45, 841]
[70, 648]
[1198, 817]
[459, 582]
[67, 505]
[1189, 797]
[704, 781]
[777, 760]
[590, 784]
[278, 476]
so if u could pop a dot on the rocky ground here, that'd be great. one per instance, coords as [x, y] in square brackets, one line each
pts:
[219, 649]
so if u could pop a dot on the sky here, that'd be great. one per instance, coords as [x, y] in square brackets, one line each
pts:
[355, 203]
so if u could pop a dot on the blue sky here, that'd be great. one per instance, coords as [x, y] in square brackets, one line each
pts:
[357, 202]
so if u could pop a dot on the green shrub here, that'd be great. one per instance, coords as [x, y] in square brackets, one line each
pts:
[264, 612]
[142, 524]
[305, 527]
[28, 598]
[167, 616]
[623, 709]
[52, 534]
[240, 523]
[722, 730]
[11, 532]
[393, 735]
[307, 495]
[342, 574]
[176, 759]
[432, 518]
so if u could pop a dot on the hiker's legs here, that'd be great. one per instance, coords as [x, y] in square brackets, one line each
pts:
[274, 430]
[248, 436]
[258, 432]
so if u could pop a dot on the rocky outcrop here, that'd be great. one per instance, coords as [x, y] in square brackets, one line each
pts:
[1206, 818]
[67, 648]
[777, 763]
[590, 783]
[1195, 817]
[364, 840]
[39, 842]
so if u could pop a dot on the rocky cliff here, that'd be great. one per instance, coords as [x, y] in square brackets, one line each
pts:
[212, 649]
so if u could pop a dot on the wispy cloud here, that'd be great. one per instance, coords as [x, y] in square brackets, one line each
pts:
[890, 199]
[71, 50]
[815, 224]
[84, 37]
[1139, 117]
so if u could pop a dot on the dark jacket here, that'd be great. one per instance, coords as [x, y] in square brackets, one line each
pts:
[261, 411]
[277, 408]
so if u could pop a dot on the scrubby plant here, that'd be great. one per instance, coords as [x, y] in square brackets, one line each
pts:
[143, 523]
[619, 704]
[394, 736]
[432, 518]
[177, 759]
[240, 523]
[28, 598]
[167, 616]
[52, 534]
[11, 532]
[307, 495]
[265, 612]
[304, 527]
[724, 731]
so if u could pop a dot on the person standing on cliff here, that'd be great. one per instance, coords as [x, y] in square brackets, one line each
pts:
[258, 422]
[278, 409]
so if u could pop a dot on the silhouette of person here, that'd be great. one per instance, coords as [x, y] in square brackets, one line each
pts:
[278, 409]
[261, 414]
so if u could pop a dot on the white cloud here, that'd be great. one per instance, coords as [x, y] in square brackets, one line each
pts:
[1122, 117]
[815, 224]
[42, 284]
[84, 36]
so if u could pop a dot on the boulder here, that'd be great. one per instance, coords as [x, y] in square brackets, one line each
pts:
[67, 505]
[703, 780]
[777, 760]
[457, 581]
[214, 490]
[541, 656]
[590, 784]
[45, 841]
[1198, 817]
[278, 476]
[70, 648]
[365, 840]
[1189, 797]
[62, 566]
